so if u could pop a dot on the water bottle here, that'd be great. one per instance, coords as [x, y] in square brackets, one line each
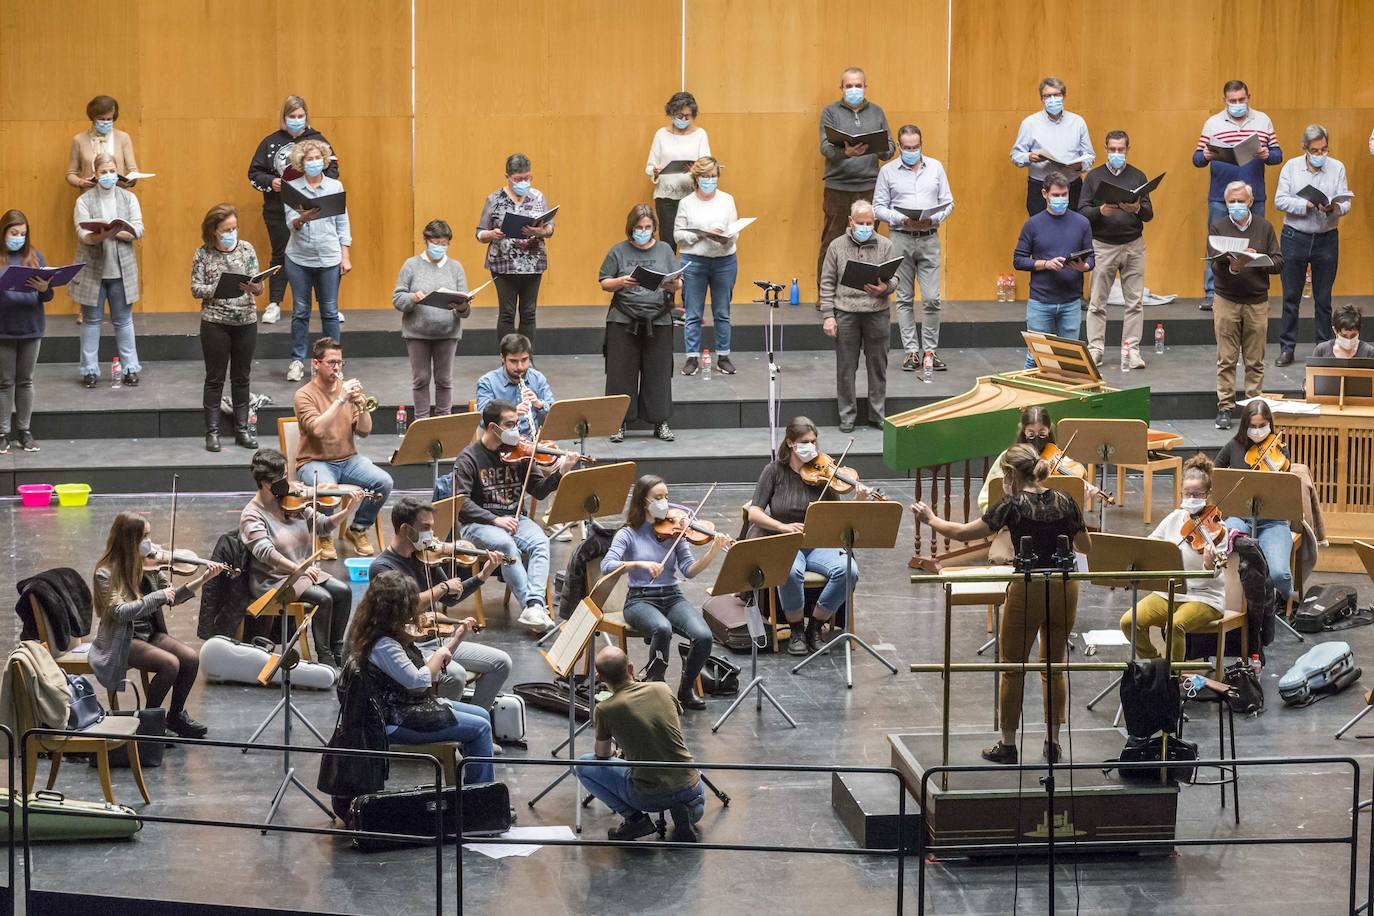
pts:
[928, 367]
[116, 374]
[1126, 345]
[401, 420]
[706, 365]
[1255, 665]
[1159, 337]
[252, 422]
[794, 294]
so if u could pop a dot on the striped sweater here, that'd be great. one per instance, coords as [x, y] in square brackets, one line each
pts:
[1222, 130]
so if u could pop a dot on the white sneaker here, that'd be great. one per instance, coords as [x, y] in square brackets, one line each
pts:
[535, 617]
[1136, 361]
[497, 750]
[296, 371]
[342, 319]
[1097, 357]
[271, 314]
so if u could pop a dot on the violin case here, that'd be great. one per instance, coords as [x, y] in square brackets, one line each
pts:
[1323, 606]
[1323, 670]
[225, 660]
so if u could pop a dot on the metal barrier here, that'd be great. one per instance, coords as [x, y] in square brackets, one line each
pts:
[897, 852]
[1351, 839]
[8, 896]
[409, 839]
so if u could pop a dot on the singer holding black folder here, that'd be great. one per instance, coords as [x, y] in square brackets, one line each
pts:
[317, 253]
[431, 331]
[22, 325]
[517, 265]
[1046, 248]
[228, 327]
[1043, 524]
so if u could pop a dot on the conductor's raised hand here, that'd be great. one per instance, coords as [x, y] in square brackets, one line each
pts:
[922, 512]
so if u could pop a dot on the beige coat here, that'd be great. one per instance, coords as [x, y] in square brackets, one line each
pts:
[81, 157]
[46, 684]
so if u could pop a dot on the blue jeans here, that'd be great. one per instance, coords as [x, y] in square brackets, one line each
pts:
[471, 731]
[1062, 319]
[355, 470]
[528, 577]
[612, 786]
[1300, 249]
[1216, 210]
[305, 281]
[719, 275]
[829, 562]
[1276, 543]
[662, 611]
[121, 316]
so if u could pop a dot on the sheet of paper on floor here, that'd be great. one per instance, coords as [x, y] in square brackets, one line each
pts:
[505, 850]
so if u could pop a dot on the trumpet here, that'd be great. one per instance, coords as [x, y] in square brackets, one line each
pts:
[369, 403]
[355, 391]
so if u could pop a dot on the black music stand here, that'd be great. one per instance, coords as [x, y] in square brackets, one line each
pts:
[848, 525]
[284, 662]
[434, 439]
[1261, 494]
[756, 564]
[1103, 442]
[277, 602]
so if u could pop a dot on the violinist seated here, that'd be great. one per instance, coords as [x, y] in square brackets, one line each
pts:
[278, 538]
[1256, 445]
[416, 553]
[1036, 429]
[492, 515]
[655, 604]
[130, 593]
[778, 506]
[1196, 527]
[516, 381]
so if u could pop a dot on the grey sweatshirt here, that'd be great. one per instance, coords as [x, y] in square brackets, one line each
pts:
[853, 173]
[427, 322]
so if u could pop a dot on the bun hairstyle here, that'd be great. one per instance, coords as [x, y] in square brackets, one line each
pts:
[796, 428]
[1199, 467]
[1022, 467]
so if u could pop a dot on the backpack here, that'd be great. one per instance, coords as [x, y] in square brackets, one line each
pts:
[360, 726]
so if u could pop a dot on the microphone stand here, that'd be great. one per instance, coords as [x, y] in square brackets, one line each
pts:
[771, 302]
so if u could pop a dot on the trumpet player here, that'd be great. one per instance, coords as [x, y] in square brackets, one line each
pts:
[331, 412]
[519, 383]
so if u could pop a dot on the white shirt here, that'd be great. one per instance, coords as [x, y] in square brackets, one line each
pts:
[1067, 136]
[1211, 592]
[920, 188]
[694, 215]
[670, 147]
[1295, 175]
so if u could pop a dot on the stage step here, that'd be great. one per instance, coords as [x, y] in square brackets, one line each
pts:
[866, 803]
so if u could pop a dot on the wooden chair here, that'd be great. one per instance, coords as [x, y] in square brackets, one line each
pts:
[1159, 443]
[26, 717]
[74, 659]
[608, 594]
[288, 440]
[811, 582]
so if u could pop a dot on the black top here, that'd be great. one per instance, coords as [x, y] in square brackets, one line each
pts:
[271, 159]
[1119, 227]
[389, 559]
[1042, 517]
[784, 495]
[492, 486]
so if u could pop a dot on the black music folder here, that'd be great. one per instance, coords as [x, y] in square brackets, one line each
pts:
[858, 274]
[918, 215]
[328, 204]
[652, 279]
[228, 286]
[512, 223]
[453, 299]
[1240, 154]
[876, 141]
[1108, 192]
[1318, 196]
[1081, 255]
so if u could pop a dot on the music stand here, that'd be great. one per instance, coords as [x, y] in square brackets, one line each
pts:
[578, 418]
[1101, 442]
[276, 601]
[436, 439]
[1261, 494]
[847, 525]
[754, 565]
[446, 517]
[1121, 553]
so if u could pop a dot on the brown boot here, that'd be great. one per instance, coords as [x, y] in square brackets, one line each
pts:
[357, 539]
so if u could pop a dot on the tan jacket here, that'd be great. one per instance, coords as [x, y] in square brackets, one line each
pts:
[47, 685]
[332, 440]
[81, 158]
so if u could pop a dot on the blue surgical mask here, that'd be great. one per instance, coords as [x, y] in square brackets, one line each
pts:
[313, 167]
[108, 180]
[521, 187]
[1237, 109]
[228, 239]
[15, 242]
[863, 232]
[103, 126]
[1054, 105]
[1058, 205]
[707, 185]
[436, 252]
[854, 96]
[295, 125]
[682, 123]
[1238, 212]
[1117, 161]
[1317, 161]
[910, 157]
[642, 236]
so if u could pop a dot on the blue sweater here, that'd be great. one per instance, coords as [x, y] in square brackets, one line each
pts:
[21, 314]
[642, 544]
[1045, 236]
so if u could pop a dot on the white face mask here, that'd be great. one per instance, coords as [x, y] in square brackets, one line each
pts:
[658, 509]
[510, 437]
[426, 538]
[147, 548]
[1193, 505]
[1348, 344]
[806, 451]
[1258, 434]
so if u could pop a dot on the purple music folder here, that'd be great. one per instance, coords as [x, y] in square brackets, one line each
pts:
[15, 277]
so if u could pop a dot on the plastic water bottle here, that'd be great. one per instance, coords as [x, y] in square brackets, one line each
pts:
[794, 294]
[1159, 337]
[401, 420]
[928, 368]
[1255, 665]
[1126, 345]
[253, 422]
[706, 365]
[116, 374]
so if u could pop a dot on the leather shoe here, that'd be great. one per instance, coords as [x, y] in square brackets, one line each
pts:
[1285, 358]
[1223, 419]
[633, 827]
[183, 726]
[687, 696]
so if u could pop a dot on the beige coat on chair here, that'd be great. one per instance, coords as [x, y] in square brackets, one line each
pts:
[47, 684]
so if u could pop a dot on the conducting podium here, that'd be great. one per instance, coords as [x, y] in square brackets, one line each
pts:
[436, 439]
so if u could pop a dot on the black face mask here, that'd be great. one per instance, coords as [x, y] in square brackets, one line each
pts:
[281, 487]
[1038, 442]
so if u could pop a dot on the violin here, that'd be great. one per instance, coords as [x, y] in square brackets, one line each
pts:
[1062, 464]
[437, 556]
[182, 563]
[323, 497]
[1204, 530]
[823, 469]
[545, 453]
[1268, 455]
[699, 532]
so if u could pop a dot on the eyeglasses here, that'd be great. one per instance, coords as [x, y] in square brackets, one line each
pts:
[333, 363]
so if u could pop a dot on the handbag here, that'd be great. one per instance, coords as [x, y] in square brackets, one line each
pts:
[151, 722]
[719, 675]
[1246, 695]
[1141, 750]
[83, 706]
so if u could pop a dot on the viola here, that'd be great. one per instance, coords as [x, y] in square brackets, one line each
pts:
[699, 531]
[437, 556]
[1204, 530]
[1268, 455]
[183, 563]
[823, 468]
[1062, 464]
[545, 453]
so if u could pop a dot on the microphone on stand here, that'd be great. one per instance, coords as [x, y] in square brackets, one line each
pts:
[768, 287]
[1064, 559]
[1025, 556]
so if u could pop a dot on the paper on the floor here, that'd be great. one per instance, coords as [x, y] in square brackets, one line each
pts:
[505, 850]
[1105, 638]
[1295, 407]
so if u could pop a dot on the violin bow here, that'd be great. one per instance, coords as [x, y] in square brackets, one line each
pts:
[687, 523]
[534, 455]
[839, 462]
[172, 547]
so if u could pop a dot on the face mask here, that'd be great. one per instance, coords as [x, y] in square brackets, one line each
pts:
[1054, 105]
[1058, 205]
[281, 487]
[642, 236]
[1116, 160]
[1348, 344]
[911, 158]
[510, 437]
[436, 252]
[521, 187]
[1317, 161]
[806, 451]
[146, 548]
[658, 508]
[1193, 506]
[1038, 443]
[707, 185]
[295, 125]
[228, 239]
[1237, 109]
[1258, 434]
[682, 123]
[314, 168]
[426, 539]
[854, 96]
[104, 126]
[1239, 212]
[108, 180]
[15, 242]
[863, 232]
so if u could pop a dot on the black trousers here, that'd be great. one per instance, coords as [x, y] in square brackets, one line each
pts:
[516, 295]
[1035, 201]
[227, 346]
[666, 209]
[642, 367]
[274, 218]
[331, 620]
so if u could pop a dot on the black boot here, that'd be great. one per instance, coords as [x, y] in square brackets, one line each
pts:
[212, 429]
[813, 634]
[687, 694]
[243, 436]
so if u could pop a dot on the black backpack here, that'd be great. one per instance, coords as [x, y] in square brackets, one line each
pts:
[360, 726]
[1150, 699]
